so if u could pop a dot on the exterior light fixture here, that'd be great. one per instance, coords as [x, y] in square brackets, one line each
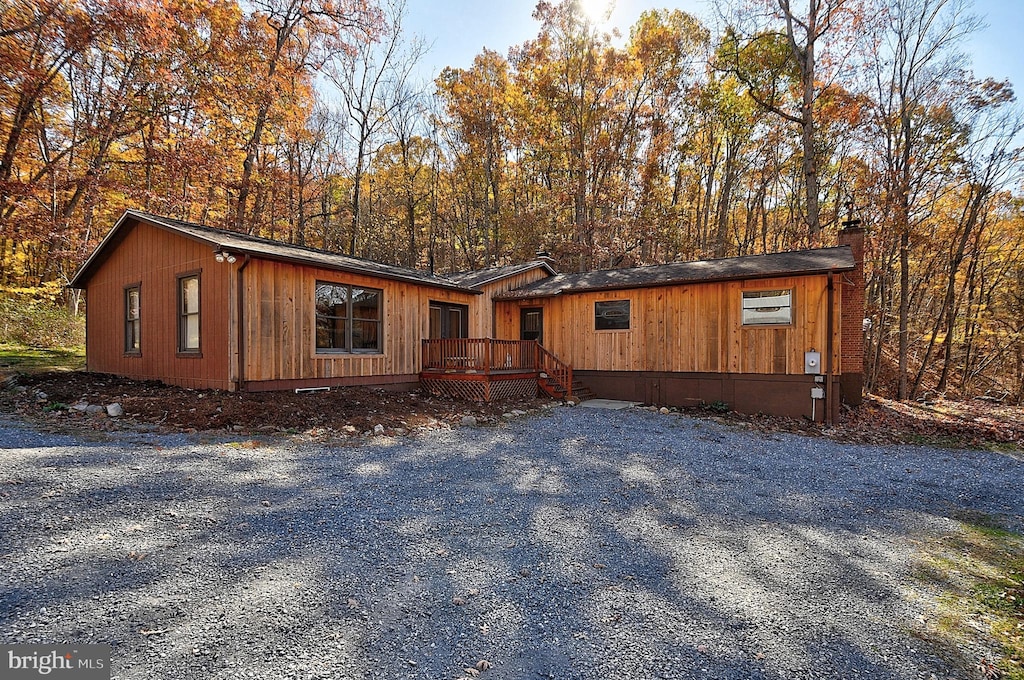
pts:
[219, 256]
[231, 258]
[222, 256]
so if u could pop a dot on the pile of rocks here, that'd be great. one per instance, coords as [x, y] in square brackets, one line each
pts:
[114, 410]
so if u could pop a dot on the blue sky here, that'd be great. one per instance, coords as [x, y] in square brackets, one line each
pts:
[460, 29]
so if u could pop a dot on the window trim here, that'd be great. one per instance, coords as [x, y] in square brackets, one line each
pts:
[136, 323]
[774, 324]
[189, 352]
[349, 320]
[628, 315]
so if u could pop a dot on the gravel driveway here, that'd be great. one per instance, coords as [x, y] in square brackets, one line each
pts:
[568, 544]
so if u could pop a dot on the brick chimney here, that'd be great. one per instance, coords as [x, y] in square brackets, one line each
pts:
[851, 364]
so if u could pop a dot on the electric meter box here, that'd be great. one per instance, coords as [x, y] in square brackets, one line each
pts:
[812, 362]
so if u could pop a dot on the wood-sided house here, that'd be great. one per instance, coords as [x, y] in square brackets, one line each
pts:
[207, 308]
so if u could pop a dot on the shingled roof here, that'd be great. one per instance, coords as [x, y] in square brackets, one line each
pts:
[795, 263]
[481, 277]
[243, 244]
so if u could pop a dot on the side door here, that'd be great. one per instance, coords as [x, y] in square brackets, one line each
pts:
[531, 324]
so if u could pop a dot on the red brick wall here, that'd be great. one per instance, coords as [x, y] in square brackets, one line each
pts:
[851, 365]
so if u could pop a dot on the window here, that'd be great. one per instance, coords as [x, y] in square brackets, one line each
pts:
[767, 307]
[188, 313]
[132, 320]
[611, 316]
[348, 318]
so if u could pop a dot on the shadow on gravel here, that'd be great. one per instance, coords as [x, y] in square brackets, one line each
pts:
[576, 545]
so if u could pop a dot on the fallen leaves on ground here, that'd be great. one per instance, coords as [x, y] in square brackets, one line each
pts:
[972, 423]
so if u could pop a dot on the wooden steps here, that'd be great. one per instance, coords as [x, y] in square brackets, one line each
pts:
[556, 390]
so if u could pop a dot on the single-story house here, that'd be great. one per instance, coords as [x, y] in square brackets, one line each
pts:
[206, 308]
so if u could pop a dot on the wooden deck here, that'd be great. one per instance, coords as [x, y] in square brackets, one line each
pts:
[485, 369]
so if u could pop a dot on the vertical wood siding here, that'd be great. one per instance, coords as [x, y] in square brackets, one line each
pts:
[154, 258]
[482, 324]
[280, 332]
[685, 328]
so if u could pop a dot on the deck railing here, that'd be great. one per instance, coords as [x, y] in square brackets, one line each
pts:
[481, 355]
[486, 355]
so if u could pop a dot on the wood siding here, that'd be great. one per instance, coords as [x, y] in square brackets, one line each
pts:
[154, 258]
[280, 323]
[482, 325]
[694, 328]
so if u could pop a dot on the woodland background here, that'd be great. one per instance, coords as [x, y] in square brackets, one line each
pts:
[302, 120]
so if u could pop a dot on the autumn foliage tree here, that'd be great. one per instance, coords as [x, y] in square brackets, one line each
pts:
[303, 120]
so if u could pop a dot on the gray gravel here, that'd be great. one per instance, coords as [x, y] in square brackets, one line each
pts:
[572, 544]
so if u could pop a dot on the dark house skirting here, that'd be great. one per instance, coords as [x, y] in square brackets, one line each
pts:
[780, 395]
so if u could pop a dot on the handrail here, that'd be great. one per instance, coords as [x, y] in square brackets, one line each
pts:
[484, 355]
[479, 354]
[557, 370]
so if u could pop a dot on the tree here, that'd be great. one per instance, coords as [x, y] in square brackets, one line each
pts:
[304, 36]
[479, 102]
[374, 81]
[915, 61]
[780, 66]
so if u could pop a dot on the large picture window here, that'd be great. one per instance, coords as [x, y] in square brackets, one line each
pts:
[188, 313]
[348, 318]
[132, 319]
[767, 307]
[612, 315]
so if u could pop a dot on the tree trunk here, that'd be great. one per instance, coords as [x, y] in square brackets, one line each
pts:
[904, 315]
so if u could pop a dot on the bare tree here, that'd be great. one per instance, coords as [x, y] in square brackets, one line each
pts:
[915, 55]
[374, 83]
[306, 35]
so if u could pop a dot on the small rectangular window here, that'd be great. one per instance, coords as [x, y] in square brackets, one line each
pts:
[767, 307]
[132, 320]
[348, 319]
[612, 315]
[188, 313]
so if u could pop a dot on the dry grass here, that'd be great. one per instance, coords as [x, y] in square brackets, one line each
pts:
[979, 616]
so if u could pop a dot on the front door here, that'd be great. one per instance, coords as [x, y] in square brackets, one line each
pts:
[531, 324]
[448, 320]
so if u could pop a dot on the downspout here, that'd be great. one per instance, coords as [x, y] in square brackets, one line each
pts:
[240, 331]
[830, 347]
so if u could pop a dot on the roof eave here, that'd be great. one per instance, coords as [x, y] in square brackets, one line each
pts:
[80, 279]
[675, 282]
[532, 265]
[353, 269]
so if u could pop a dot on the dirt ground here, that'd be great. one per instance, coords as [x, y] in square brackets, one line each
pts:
[57, 399]
[51, 398]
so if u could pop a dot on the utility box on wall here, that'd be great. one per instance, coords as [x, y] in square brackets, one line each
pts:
[812, 362]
